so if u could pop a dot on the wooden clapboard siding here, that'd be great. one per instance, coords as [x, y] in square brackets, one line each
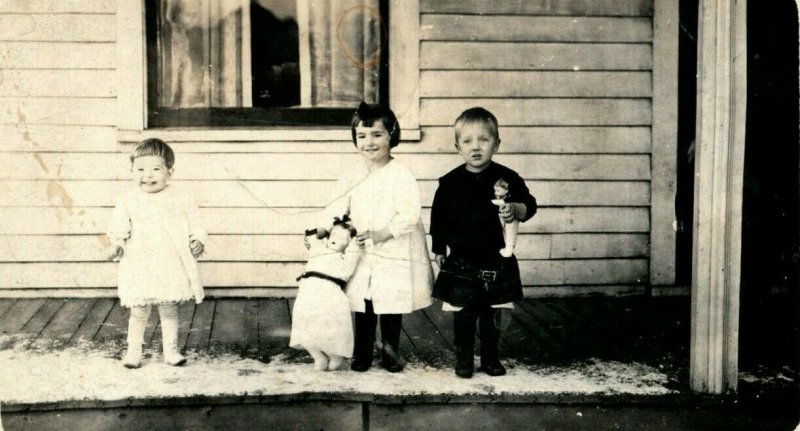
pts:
[278, 274]
[289, 193]
[58, 111]
[290, 248]
[62, 27]
[283, 166]
[541, 7]
[52, 6]
[514, 28]
[564, 77]
[543, 139]
[32, 138]
[240, 221]
[59, 83]
[570, 82]
[535, 56]
[544, 112]
[435, 139]
[461, 83]
[62, 55]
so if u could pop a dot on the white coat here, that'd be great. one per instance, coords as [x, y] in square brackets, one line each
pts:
[396, 274]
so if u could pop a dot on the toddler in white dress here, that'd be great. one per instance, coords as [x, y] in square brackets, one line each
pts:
[156, 237]
[321, 319]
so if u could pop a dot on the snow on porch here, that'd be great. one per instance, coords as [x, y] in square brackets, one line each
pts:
[66, 351]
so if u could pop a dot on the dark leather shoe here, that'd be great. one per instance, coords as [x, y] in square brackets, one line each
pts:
[464, 370]
[360, 366]
[493, 368]
[390, 360]
[465, 362]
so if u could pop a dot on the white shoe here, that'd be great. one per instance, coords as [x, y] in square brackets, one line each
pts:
[133, 357]
[335, 363]
[174, 358]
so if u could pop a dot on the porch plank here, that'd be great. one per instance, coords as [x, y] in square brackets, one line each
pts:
[250, 332]
[200, 330]
[18, 315]
[42, 317]
[423, 333]
[5, 305]
[548, 343]
[228, 328]
[185, 316]
[274, 325]
[90, 326]
[115, 326]
[68, 319]
[540, 311]
[442, 321]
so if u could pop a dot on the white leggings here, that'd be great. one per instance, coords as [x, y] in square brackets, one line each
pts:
[138, 323]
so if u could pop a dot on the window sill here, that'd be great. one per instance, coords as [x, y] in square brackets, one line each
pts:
[313, 134]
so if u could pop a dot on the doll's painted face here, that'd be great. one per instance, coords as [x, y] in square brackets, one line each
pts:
[373, 142]
[338, 239]
[150, 173]
[500, 189]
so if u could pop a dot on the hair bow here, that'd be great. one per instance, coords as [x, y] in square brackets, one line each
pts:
[344, 220]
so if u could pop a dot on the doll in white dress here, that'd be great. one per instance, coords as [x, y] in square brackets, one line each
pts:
[156, 237]
[321, 319]
[510, 229]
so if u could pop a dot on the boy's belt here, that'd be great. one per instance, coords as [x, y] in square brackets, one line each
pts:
[461, 268]
[338, 281]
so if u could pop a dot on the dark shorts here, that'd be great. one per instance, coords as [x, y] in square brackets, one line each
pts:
[492, 281]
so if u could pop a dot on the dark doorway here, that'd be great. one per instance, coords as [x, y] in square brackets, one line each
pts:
[770, 243]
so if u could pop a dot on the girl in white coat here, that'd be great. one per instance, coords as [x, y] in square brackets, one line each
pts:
[156, 237]
[394, 275]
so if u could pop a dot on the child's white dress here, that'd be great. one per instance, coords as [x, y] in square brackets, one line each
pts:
[155, 230]
[321, 315]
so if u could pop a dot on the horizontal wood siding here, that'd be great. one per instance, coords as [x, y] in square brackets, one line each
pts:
[567, 78]
[570, 82]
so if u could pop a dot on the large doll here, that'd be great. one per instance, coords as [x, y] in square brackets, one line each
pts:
[321, 321]
[511, 228]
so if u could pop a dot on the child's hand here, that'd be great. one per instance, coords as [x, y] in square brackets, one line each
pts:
[512, 211]
[376, 237]
[439, 258]
[196, 247]
[114, 253]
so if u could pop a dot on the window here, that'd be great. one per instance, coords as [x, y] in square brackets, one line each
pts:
[227, 63]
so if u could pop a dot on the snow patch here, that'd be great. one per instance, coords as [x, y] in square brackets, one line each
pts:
[93, 372]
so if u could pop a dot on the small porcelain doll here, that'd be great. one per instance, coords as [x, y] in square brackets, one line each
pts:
[321, 319]
[509, 229]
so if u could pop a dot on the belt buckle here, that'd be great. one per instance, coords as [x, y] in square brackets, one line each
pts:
[488, 275]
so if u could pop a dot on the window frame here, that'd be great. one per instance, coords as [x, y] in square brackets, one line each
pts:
[132, 89]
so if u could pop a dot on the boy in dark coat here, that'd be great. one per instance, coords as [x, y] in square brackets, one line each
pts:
[474, 279]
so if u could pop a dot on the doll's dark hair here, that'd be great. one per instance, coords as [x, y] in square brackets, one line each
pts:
[154, 147]
[477, 115]
[344, 223]
[368, 113]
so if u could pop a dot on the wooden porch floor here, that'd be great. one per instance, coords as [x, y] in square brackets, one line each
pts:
[653, 331]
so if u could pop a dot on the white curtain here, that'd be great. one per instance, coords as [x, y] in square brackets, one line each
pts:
[340, 43]
[204, 52]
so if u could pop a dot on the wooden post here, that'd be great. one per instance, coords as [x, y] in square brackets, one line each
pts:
[719, 162]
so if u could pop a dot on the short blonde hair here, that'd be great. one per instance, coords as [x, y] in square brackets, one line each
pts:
[477, 115]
